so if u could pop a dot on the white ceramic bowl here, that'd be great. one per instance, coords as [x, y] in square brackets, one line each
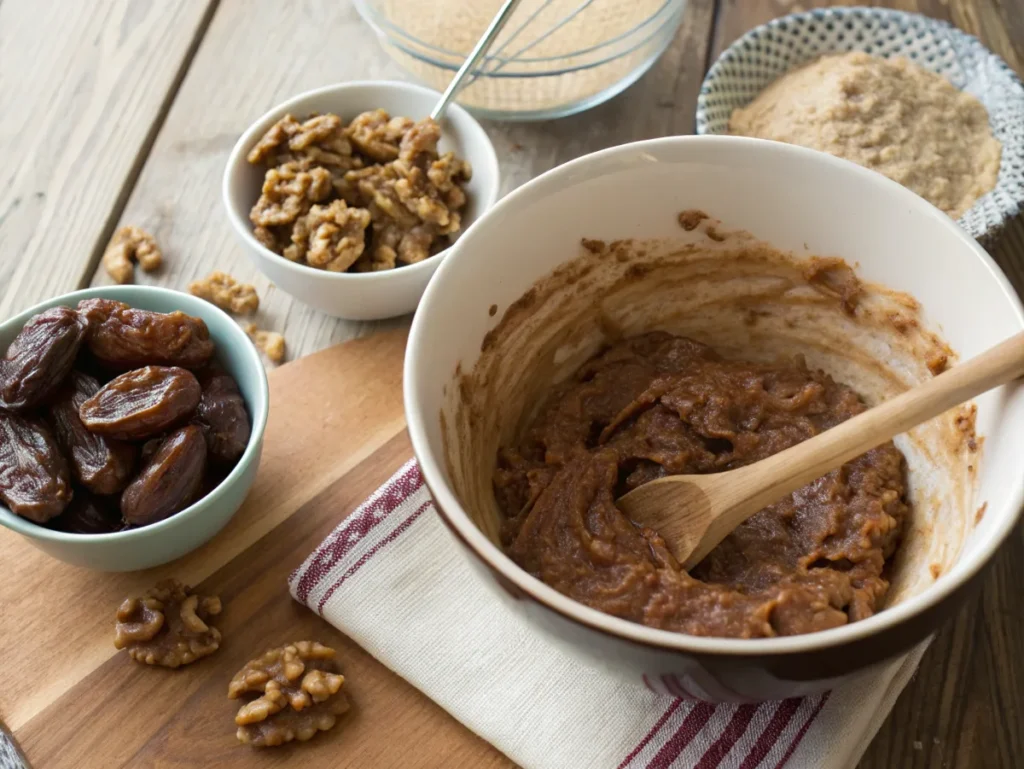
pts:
[826, 206]
[371, 295]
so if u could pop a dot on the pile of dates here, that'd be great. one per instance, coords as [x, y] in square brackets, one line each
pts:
[113, 417]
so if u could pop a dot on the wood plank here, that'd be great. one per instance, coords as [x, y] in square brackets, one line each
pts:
[84, 87]
[178, 193]
[998, 23]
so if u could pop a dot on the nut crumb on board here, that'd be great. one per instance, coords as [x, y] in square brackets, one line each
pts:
[129, 245]
[223, 290]
[168, 626]
[294, 692]
[270, 342]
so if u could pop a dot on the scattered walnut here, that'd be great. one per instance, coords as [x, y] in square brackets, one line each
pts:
[298, 690]
[129, 245]
[225, 292]
[168, 626]
[271, 342]
[331, 236]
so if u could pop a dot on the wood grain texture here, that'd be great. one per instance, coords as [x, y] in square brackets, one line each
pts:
[315, 435]
[178, 193]
[254, 55]
[83, 88]
[183, 717]
[68, 67]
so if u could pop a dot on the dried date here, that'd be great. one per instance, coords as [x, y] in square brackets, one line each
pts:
[123, 337]
[40, 357]
[223, 417]
[88, 514]
[142, 403]
[34, 480]
[101, 464]
[170, 481]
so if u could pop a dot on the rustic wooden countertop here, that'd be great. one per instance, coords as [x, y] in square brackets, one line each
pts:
[123, 112]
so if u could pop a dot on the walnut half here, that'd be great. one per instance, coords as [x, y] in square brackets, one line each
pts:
[168, 626]
[129, 245]
[224, 291]
[299, 694]
[271, 342]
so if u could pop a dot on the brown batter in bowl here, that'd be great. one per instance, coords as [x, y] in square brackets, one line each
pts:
[697, 354]
[657, 405]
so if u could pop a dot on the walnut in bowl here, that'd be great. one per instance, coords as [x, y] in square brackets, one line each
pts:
[348, 197]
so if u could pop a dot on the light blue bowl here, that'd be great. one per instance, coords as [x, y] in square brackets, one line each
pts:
[172, 537]
[763, 54]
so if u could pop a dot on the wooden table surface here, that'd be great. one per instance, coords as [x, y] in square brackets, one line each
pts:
[123, 112]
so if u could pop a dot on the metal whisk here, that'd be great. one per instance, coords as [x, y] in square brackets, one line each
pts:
[481, 47]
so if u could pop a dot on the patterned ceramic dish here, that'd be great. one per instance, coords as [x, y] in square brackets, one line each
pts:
[768, 51]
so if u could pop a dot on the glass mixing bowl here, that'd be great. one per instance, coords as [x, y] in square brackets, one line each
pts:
[553, 58]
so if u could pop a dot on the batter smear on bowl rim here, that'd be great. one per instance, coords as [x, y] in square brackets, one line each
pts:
[657, 405]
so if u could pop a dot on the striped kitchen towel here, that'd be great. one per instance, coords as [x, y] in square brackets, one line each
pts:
[392, 578]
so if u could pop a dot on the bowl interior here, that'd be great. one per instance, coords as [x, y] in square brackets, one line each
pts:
[831, 208]
[460, 133]
[234, 351]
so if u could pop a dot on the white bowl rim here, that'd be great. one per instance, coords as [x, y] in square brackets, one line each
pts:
[259, 421]
[613, 158]
[244, 227]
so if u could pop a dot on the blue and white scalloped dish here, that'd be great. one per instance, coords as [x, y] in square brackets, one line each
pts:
[768, 51]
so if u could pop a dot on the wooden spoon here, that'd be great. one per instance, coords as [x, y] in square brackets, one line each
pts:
[695, 512]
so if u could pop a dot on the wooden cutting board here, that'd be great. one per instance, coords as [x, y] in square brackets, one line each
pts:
[336, 432]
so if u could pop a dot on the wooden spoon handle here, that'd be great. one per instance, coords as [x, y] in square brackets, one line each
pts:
[769, 480]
